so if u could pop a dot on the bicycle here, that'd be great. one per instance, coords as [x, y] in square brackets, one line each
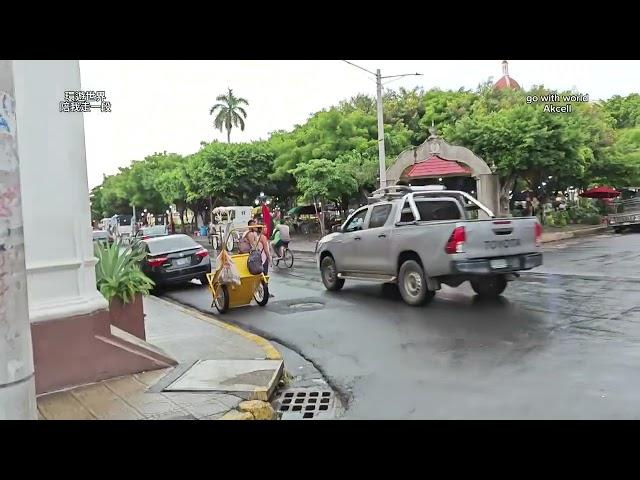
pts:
[287, 257]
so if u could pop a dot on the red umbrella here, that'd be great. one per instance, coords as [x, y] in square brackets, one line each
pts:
[600, 192]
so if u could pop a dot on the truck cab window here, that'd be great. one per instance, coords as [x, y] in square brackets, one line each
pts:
[379, 216]
[434, 210]
[357, 222]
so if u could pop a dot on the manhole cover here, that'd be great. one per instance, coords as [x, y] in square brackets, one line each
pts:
[306, 305]
[305, 404]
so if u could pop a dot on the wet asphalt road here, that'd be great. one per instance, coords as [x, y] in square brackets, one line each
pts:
[562, 343]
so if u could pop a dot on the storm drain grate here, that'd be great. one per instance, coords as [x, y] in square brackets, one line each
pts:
[303, 403]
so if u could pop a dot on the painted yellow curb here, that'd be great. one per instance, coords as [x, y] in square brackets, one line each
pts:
[236, 415]
[270, 351]
[258, 409]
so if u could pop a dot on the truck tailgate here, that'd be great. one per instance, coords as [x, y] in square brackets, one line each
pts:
[499, 237]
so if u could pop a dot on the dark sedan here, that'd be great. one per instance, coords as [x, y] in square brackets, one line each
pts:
[146, 233]
[175, 259]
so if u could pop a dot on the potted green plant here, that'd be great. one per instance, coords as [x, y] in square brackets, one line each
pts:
[122, 283]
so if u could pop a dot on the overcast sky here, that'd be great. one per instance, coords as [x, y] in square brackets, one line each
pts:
[164, 105]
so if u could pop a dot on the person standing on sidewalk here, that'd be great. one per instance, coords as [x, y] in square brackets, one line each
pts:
[535, 203]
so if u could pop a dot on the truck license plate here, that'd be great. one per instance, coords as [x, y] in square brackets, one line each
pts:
[499, 263]
[182, 261]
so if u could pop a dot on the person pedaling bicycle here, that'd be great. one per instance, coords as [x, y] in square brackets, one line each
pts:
[280, 238]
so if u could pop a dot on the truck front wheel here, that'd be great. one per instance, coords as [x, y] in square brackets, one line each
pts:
[489, 287]
[412, 284]
[329, 274]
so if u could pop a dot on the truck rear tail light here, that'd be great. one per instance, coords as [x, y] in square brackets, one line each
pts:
[456, 241]
[202, 253]
[157, 262]
[538, 234]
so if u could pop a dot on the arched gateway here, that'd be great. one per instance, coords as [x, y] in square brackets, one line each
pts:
[435, 158]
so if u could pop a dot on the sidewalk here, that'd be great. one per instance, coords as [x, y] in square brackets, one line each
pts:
[187, 336]
[553, 234]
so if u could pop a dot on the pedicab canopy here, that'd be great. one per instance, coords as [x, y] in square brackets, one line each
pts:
[305, 210]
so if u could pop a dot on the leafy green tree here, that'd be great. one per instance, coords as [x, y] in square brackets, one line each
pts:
[364, 169]
[323, 179]
[140, 186]
[523, 142]
[229, 112]
[625, 110]
[114, 195]
[619, 165]
[95, 199]
[331, 133]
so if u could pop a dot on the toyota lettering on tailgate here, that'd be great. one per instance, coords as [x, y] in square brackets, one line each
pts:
[493, 244]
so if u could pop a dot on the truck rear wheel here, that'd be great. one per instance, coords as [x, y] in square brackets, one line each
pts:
[412, 283]
[490, 286]
[329, 274]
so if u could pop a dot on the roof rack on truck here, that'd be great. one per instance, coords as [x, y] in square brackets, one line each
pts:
[397, 191]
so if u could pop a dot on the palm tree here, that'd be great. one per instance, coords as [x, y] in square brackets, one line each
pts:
[230, 113]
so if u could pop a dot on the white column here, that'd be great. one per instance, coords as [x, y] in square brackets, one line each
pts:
[17, 385]
[57, 220]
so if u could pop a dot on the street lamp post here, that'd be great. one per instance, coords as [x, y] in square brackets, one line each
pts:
[380, 112]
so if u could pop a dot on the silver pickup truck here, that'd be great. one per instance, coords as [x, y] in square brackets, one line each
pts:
[628, 218]
[421, 237]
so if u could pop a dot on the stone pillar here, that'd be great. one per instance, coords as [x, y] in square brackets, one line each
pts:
[74, 338]
[17, 386]
[57, 227]
[489, 193]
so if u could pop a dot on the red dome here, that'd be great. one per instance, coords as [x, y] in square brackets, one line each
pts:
[507, 82]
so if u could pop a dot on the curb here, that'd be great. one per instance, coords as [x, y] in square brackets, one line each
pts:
[270, 351]
[578, 233]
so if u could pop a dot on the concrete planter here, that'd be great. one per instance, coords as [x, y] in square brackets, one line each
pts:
[128, 317]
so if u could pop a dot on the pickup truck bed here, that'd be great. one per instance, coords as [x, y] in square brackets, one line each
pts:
[629, 218]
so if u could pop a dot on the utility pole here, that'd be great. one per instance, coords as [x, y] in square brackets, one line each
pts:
[17, 381]
[381, 152]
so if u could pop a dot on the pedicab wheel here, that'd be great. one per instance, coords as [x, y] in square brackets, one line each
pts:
[261, 294]
[222, 299]
[231, 243]
[288, 258]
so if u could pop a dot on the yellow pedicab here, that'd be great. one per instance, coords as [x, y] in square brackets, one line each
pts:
[251, 287]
